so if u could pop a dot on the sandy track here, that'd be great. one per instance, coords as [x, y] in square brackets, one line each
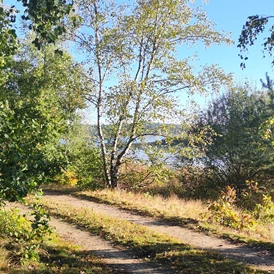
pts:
[118, 259]
[259, 259]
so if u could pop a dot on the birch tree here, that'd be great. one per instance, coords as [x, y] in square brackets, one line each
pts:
[131, 52]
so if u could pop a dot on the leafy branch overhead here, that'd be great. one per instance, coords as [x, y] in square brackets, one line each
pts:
[254, 26]
[47, 18]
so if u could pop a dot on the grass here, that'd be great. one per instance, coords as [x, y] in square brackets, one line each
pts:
[156, 206]
[56, 256]
[187, 213]
[145, 243]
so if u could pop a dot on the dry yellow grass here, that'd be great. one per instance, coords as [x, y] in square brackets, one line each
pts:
[155, 205]
[262, 234]
[178, 209]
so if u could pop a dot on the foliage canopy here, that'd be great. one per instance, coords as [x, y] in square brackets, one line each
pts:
[34, 113]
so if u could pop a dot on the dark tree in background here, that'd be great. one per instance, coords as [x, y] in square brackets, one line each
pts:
[238, 151]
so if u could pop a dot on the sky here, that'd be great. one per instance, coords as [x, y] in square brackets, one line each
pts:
[230, 16]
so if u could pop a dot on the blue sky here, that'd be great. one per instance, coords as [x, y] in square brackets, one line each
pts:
[231, 15]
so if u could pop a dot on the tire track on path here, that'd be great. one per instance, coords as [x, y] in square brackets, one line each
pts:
[118, 259]
[262, 260]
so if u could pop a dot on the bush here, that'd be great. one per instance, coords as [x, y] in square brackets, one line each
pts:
[25, 237]
[252, 195]
[85, 165]
[265, 211]
[259, 204]
[237, 152]
[223, 211]
[195, 184]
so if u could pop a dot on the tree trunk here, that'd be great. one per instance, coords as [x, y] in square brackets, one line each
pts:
[114, 175]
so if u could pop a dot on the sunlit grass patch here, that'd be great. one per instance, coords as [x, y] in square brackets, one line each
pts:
[63, 257]
[190, 213]
[156, 206]
[146, 243]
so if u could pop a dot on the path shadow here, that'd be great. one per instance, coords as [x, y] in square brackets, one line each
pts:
[64, 261]
[202, 261]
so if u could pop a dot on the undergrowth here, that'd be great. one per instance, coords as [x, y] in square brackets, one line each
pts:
[24, 237]
[224, 212]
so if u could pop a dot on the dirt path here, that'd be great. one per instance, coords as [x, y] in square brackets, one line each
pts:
[262, 260]
[118, 259]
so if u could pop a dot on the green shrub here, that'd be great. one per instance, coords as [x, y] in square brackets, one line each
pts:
[85, 165]
[223, 211]
[265, 211]
[25, 237]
